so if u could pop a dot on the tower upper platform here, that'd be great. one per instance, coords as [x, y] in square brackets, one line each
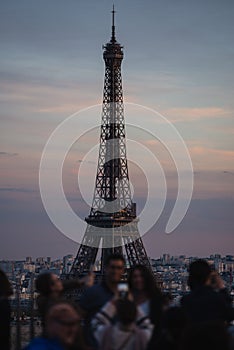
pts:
[113, 51]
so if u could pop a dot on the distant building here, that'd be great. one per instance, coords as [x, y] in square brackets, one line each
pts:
[67, 263]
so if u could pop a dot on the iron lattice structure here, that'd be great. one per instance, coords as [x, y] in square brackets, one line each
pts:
[112, 221]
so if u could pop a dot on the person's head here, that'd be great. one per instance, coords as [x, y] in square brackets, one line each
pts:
[199, 273]
[114, 268]
[141, 279]
[49, 284]
[126, 311]
[62, 322]
[5, 286]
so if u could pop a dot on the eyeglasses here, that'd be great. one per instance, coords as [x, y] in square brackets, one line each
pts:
[54, 280]
[67, 323]
[116, 267]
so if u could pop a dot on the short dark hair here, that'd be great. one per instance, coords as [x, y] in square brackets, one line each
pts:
[126, 311]
[43, 283]
[5, 286]
[54, 303]
[114, 257]
[199, 272]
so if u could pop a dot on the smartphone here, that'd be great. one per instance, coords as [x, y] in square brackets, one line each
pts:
[123, 290]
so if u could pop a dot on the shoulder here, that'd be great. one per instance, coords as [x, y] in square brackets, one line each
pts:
[201, 294]
[214, 295]
[93, 291]
[92, 296]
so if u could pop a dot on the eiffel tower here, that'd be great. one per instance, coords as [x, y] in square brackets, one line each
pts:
[112, 222]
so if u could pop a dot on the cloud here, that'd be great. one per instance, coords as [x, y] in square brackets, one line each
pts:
[16, 189]
[45, 96]
[228, 172]
[86, 161]
[182, 114]
[152, 142]
[8, 154]
[200, 150]
[205, 158]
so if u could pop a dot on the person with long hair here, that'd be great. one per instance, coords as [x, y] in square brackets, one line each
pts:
[146, 293]
[5, 311]
[52, 289]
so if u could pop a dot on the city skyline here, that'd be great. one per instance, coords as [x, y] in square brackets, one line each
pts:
[52, 66]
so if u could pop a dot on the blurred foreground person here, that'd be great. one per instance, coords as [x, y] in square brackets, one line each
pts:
[146, 293]
[51, 289]
[172, 328]
[206, 336]
[94, 298]
[121, 325]
[5, 311]
[208, 299]
[61, 328]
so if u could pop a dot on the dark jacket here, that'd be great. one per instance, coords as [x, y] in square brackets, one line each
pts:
[92, 300]
[44, 344]
[204, 304]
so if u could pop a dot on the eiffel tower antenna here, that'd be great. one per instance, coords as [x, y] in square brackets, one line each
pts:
[113, 25]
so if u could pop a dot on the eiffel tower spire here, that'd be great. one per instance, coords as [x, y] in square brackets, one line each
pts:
[113, 40]
[112, 221]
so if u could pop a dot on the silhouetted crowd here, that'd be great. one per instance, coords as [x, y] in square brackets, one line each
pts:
[128, 315]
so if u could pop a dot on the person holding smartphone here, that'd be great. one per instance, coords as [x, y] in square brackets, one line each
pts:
[208, 299]
[94, 298]
[121, 325]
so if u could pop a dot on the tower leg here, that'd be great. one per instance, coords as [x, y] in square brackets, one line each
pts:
[87, 252]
